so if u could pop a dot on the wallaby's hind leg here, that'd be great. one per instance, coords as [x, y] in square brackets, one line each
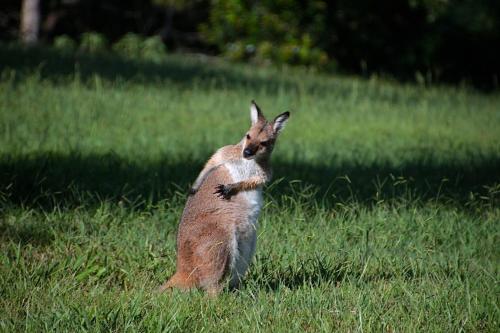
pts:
[246, 250]
[214, 290]
[214, 267]
[203, 264]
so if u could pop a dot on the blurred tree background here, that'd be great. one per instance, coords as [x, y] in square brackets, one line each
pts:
[423, 40]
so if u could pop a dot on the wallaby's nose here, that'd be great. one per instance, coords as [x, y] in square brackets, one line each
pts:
[247, 152]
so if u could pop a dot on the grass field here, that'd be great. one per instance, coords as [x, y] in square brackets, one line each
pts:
[383, 215]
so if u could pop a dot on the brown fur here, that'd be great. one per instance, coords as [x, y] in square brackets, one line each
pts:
[217, 210]
[202, 248]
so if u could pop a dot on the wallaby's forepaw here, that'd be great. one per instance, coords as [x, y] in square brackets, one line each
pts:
[224, 191]
[192, 191]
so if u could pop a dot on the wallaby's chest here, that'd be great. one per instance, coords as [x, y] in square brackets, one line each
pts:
[242, 170]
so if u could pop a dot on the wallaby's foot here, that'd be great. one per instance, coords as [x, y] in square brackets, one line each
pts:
[224, 191]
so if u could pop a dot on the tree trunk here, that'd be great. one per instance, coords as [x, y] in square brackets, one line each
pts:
[30, 21]
[167, 23]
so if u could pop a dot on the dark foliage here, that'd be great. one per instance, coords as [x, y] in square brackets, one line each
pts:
[426, 40]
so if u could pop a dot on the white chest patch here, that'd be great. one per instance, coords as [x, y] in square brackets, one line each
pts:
[245, 234]
[242, 170]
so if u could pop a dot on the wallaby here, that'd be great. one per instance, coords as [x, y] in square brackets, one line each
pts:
[217, 233]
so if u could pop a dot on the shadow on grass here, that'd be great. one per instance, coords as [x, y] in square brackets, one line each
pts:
[26, 233]
[318, 270]
[56, 66]
[312, 272]
[183, 71]
[54, 180]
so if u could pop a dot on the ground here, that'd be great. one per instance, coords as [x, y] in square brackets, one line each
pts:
[383, 214]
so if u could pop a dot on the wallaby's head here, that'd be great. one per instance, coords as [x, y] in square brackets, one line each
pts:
[259, 141]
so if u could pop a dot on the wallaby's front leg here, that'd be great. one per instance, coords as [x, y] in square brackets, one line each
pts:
[228, 190]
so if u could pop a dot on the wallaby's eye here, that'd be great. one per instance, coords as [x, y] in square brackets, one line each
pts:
[265, 143]
[248, 136]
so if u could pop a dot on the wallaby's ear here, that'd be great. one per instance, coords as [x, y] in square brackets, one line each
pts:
[255, 113]
[280, 121]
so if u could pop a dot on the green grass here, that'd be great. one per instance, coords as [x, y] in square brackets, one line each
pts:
[383, 216]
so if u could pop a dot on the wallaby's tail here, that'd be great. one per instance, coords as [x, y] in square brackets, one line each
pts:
[176, 281]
